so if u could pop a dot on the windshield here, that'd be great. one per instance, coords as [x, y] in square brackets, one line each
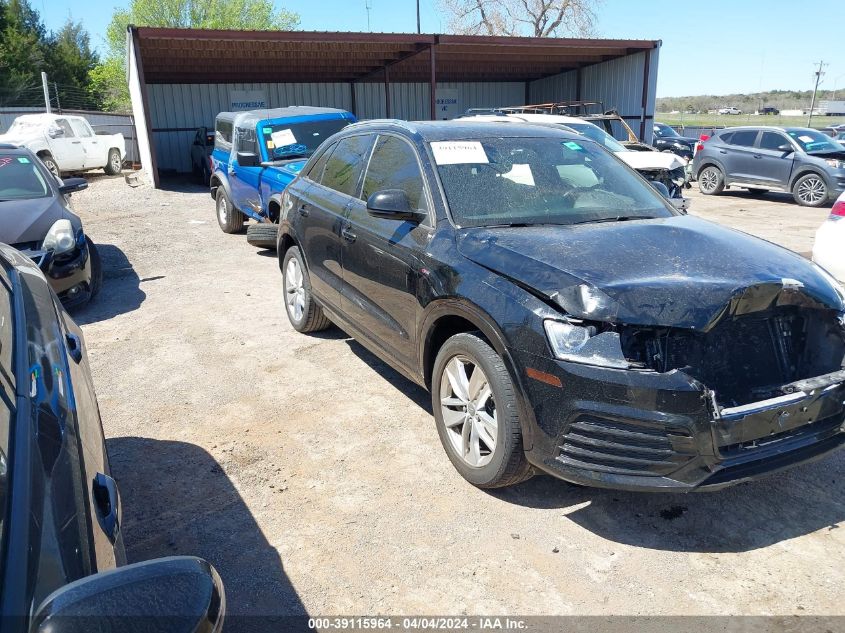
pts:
[294, 140]
[496, 181]
[20, 179]
[599, 135]
[812, 141]
[665, 131]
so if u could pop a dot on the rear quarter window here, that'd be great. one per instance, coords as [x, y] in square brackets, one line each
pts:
[744, 138]
[223, 135]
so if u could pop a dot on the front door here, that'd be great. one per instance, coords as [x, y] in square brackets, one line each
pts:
[380, 261]
[67, 148]
[245, 181]
[774, 165]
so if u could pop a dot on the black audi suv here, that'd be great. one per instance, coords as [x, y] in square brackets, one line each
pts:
[564, 316]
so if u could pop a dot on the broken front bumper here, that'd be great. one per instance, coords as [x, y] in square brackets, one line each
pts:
[649, 431]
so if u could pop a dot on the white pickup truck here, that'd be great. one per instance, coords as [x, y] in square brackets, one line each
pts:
[66, 143]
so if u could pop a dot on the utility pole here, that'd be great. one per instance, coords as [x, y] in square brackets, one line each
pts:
[46, 87]
[819, 74]
[58, 103]
[419, 30]
[368, 5]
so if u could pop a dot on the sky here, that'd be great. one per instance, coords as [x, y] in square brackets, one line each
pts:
[713, 47]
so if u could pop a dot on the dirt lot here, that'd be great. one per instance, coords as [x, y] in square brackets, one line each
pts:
[311, 474]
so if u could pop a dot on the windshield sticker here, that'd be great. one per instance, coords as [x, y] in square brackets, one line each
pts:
[5, 161]
[574, 146]
[459, 153]
[23, 160]
[270, 145]
[806, 139]
[267, 130]
[283, 137]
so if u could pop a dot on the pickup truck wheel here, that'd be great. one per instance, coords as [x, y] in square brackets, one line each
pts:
[51, 164]
[114, 165]
[303, 312]
[262, 235]
[228, 217]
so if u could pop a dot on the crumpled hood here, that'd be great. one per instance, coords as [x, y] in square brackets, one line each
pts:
[674, 272]
[652, 160]
[29, 220]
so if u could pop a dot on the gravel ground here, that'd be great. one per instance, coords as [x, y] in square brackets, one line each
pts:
[311, 475]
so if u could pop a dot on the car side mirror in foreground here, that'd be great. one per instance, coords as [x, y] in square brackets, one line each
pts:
[392, 204]
[786, 148]
[178, 594]
[71, 185]
[248, 159]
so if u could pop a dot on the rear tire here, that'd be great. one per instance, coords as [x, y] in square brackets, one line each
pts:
[115, 164]
[263, 235]
[303, 312]
[228, 217]
[810, 190]
[477, 415]
[711, 180]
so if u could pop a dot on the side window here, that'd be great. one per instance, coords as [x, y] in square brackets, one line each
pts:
[394, 165]
[315, 172]
[744, 138]
[772, 140]
[245, 141]
[63, 124]
[223, 136]
[79, 128]
[726, 137]
[344, 167]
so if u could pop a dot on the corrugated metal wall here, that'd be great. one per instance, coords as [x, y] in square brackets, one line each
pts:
[100, 121]
[617, 83]
[177, 110]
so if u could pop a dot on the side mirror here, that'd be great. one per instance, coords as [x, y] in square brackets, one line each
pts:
[55, 132]
[662, 189]
[786, 148]
[248, 159]
[71, 185]
[392, 204]
[179, 594]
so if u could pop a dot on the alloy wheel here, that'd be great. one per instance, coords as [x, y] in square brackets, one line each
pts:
[294, 289]
[115, 162]
[469, 411]
[812, 190]
[708, 180]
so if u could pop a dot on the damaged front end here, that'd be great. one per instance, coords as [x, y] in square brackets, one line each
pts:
[675, 180]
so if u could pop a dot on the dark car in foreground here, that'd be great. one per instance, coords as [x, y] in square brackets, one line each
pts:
[666, 139]
[62, 561]
[804, 162]
[36, 218]
[564, 316]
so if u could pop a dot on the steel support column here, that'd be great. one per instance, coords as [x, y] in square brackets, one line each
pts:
[387, 92]
[432, 83]
[646, 69]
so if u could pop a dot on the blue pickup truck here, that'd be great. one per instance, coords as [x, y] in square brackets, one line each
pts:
[256, 155]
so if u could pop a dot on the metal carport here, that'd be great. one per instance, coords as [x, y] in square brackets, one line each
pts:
[180, 78]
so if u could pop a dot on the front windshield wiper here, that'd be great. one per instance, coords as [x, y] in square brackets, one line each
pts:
[618, 218]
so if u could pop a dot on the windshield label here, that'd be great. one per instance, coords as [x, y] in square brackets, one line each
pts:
[573, 145]
[23, 160]
[806, 139]
[459, 153]
[283, 137]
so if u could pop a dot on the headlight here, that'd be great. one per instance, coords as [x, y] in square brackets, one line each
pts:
[579, 344]
[60, 238]
[835, 163]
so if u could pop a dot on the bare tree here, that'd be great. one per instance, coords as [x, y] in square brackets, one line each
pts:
[537, 18]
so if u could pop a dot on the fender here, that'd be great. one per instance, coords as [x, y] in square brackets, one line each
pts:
[707, 163]
[808, 169]
[219, 176]
[487, 325]
[288, 233]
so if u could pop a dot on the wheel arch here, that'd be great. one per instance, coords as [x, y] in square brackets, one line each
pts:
[710, 162]
[219, 180]
[806, 170]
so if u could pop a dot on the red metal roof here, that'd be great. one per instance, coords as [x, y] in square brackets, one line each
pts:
[212, 56]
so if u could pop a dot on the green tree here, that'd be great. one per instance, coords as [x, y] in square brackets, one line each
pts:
[109, 77]
[71, 60]
[22, 40]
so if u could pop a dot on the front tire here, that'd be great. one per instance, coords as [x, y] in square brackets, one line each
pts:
[810, 190]
[51, 164]
[228, 217]
[477, 413]
[303, 312]
[96, 282]
[711, 180]
[114, 164]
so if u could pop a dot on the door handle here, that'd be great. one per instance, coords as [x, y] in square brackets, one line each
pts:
[757, 156]
[74, 347]
[303, 210]
[107, 503]
[723, 151]
[348, 234]
[76, 142]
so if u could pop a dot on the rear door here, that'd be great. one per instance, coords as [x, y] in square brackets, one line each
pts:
[380, 256]
[774, 165]
[321, 209]
[94, 155]
[739, 158]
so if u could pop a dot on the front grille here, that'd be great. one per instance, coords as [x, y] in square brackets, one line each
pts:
[631, 448]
